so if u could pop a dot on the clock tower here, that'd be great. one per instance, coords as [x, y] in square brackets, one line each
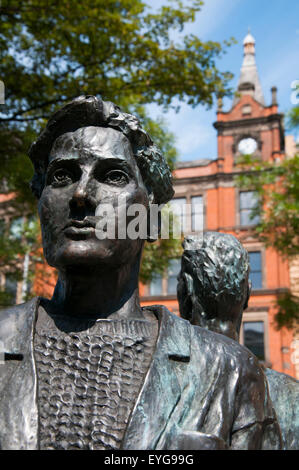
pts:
[250, 126]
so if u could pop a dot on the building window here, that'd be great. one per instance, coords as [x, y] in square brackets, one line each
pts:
[197, 213]
[254, 338]
[255, 259]
[162, 285]
[173, 271]
[248, 202]
[178, 206]
[155, 287]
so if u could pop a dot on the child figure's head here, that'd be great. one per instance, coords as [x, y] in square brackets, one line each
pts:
[213, 288]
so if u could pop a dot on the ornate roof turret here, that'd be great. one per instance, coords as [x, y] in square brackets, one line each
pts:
[249, 83]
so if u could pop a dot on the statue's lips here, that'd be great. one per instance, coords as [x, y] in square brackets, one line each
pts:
[79, 227]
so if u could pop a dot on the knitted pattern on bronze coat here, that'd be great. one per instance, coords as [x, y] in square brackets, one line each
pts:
[88, 381]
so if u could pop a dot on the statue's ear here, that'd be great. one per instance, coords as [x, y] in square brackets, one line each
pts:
[185, 296]
[189, 284]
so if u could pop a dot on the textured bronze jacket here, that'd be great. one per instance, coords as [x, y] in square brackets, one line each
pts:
[202, 390]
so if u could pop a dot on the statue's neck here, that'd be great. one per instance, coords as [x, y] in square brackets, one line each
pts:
[98, 292]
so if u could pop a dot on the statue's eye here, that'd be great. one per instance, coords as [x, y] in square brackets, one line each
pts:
[61, 177]
[116, 177]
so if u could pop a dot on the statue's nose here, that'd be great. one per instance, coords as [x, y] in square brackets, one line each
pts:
[80, 193]
[83, 196]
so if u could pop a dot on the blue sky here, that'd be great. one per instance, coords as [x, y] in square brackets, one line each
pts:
[275, 26]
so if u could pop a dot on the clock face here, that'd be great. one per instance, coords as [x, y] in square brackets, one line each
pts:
[247, 146]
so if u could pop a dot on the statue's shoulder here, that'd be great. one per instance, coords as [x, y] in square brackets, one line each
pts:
[227, 351]
[283, 386]
[168, 318]
[214, 346]
[19, 309]
[172, 328]
[281, 378]
[14, 319]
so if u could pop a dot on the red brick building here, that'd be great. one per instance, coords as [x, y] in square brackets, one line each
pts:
[249, 127]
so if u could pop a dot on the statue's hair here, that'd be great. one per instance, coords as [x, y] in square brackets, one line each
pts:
[219, 267]
[86, 111]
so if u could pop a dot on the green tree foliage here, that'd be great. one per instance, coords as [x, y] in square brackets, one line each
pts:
[277, 185]
[53, 51]
[293, 118]
[156, 256]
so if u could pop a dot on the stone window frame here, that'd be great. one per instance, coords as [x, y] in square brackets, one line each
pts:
[250, 247]
[261, 269]
[164, 292]
[258, 317]
[148, 289]
[166, 279]
[237, 205]
[178, 195]
[246, 208]
[188, 194]
[202, 195]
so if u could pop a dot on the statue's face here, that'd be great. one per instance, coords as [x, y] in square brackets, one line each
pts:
[87, 168]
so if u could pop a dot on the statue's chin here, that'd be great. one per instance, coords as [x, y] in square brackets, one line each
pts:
[86, 253]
